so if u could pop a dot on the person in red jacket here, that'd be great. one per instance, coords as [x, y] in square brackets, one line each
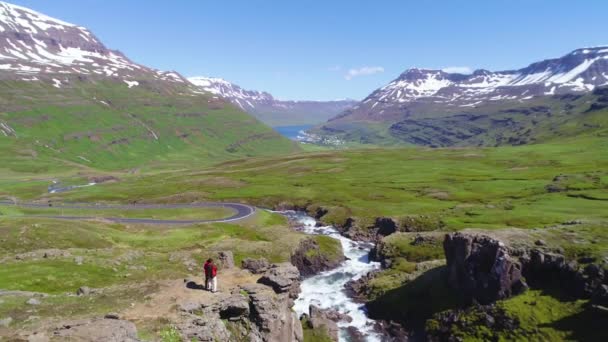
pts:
[210, 275]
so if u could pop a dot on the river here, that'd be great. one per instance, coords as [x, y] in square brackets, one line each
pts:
[326, 290]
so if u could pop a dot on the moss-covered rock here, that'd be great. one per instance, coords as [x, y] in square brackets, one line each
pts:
[317, 254]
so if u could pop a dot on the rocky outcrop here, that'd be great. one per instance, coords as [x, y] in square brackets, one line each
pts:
[311, 260]
[283, 278]
[481, 268]
[254, 312]
[272, 315]
[548, 269]
[255, 266]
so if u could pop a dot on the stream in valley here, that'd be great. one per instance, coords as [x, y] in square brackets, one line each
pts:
[326, 290]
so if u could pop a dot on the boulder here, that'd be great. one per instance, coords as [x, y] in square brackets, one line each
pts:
[255, 266]
[283, 278]
[481, 268]
[83, 291]
[225, 259]
[309, 259]
[385, 226]
[97, 330]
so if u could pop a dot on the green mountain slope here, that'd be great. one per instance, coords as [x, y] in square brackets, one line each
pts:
[104, 124]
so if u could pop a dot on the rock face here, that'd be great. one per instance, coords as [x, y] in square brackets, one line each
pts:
[481, 268]
[309, 259]
[255, 266]
[272, 315]
[542, 269]
[97, 330]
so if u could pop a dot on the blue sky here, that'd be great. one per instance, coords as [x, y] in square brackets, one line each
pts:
[333, 49]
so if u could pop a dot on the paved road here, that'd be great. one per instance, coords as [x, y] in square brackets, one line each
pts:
[241, 211]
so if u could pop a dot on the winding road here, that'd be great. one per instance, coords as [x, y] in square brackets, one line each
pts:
[241, 211]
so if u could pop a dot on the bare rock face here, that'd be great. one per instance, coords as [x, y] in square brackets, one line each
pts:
[283, 278]
[310, 261]
[255, 266]
[97, 330]
[481, 268]
[272, 315]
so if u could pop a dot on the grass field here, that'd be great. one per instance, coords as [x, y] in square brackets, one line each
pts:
[528, 186]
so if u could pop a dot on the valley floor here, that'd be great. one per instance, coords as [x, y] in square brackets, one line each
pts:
[555, 192]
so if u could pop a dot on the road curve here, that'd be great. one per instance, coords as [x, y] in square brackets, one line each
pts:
[241, 211]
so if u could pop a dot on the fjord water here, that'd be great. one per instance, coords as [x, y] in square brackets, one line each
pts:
[326, 290]
[292, 132]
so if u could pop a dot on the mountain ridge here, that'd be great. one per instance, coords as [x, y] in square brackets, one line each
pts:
[267, 108]
[419, 96]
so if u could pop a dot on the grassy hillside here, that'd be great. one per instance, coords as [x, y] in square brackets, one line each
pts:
[103, 124]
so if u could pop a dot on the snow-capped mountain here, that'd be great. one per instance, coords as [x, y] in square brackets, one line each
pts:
[580, 71]
[34, 45]
[246, 99]
[270, 110]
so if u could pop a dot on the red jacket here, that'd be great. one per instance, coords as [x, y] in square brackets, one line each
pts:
[210, 270]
